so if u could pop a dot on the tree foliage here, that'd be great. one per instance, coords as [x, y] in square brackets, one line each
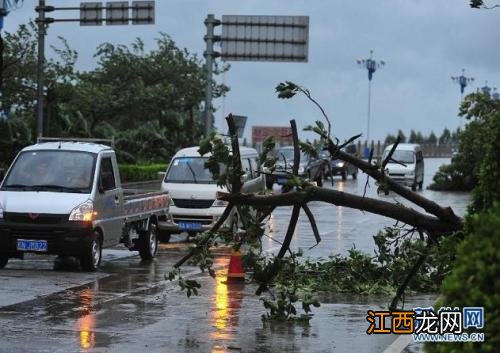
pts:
[474, 281]
[148, 100]
[476, 165]
[287, 280]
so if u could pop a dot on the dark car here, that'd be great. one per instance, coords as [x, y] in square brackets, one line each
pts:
[311, 168]
[339, 167]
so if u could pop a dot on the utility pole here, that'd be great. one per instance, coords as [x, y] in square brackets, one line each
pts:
[210, 55]
[40, 66]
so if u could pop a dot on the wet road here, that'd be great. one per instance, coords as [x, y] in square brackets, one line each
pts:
[128, 306]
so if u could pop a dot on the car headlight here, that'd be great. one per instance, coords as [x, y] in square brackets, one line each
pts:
[301, 170]
[220, 203]
[340, 164]
[83, 212]
[1, 211]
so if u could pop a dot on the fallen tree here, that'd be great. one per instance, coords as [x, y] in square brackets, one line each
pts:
[436, 222]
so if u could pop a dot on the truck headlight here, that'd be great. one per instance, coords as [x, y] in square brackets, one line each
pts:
[220, 203]
[83, 212]
[410, 174]
[340, 164]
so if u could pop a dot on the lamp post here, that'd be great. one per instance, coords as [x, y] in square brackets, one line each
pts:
[495, 95]
[371, 65]
[463, 81]
[486, 89]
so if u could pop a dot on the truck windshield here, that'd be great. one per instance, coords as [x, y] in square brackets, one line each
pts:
[405, 157]
[190, 170]
[54, 170]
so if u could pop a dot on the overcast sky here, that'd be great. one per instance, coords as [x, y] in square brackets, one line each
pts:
[424, 43]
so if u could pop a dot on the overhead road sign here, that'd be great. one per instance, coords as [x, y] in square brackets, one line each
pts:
[265, 38]
[91, 13]
[143, 12]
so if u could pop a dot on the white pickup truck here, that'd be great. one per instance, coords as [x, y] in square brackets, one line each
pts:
[65, 198]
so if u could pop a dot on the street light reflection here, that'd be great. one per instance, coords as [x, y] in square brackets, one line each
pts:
[226, 305]
[221, 302]
[87, 322]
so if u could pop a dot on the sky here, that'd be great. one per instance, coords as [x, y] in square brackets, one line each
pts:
[424, 43]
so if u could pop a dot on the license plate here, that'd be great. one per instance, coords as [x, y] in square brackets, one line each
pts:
[32, 245]
[189, 226]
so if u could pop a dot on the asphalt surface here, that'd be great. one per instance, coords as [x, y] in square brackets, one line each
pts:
[128, 306]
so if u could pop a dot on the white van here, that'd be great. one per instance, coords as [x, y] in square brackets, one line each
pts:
[412, 172]
[193, 206]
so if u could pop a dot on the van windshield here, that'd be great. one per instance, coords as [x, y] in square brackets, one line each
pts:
[190, 170]
[59, 171]
[405, 157]
[286, 154]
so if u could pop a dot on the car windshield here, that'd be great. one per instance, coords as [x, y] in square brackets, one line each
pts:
[60, 171]
[406, 157]
[190, 170]
[286, 154]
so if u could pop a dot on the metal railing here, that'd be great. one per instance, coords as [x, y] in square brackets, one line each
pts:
[109, 142]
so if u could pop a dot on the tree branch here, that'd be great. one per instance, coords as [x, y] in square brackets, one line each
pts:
[443, 213]
[207, 237]
[312, 193]
[314, 226]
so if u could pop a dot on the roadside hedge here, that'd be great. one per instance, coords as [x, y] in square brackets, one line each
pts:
[140, 172]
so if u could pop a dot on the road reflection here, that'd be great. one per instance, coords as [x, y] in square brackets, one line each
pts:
[226, 304]
[86, 323]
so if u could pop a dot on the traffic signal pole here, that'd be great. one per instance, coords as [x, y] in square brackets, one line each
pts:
[40, 66]
[210, 55]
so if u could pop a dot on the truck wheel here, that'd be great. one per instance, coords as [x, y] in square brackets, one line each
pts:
[148, 242]
[91, 259]
[420, 185]
[164, 236]
[3, 261]
[344, 175]
[354, 176]
[414, 186]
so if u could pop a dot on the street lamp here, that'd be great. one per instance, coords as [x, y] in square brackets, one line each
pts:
[486, 89]
[371, 65]
[462, 81]
[495, 95]
[6, 6]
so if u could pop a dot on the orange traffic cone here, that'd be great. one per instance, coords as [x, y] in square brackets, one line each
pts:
[236, 272]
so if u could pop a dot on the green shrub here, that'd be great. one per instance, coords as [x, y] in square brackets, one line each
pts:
[474, 281]
[449, 177]
[137, 172]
